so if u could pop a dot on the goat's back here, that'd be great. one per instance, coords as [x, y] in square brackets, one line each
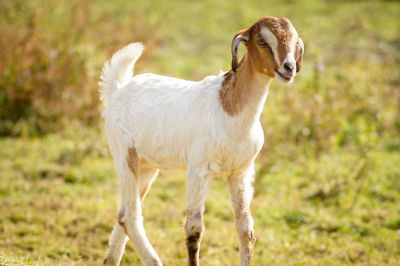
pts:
[165, 117]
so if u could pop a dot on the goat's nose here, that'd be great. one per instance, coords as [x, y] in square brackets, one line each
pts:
[288, 67]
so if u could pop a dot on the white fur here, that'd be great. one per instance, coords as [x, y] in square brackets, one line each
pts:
[124, 60]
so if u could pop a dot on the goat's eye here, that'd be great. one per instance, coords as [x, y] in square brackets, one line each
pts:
[261, 42]
[264, 45]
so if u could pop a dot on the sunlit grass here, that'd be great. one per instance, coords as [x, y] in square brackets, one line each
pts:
[59, 205]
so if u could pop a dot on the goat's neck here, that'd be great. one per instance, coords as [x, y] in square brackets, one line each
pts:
[244, 92]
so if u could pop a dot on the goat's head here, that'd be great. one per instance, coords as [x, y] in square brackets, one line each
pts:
[273, 47]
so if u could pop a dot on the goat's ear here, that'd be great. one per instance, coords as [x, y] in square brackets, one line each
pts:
[299, 54]
[241, 36]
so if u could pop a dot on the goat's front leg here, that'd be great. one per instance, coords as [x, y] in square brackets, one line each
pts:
[241, 192]
[197, 184]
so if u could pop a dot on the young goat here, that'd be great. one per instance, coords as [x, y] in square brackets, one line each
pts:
[210, 127]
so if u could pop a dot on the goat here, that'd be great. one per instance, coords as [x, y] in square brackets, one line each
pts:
[210, 127]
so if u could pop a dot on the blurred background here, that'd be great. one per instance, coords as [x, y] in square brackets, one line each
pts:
[327, 188]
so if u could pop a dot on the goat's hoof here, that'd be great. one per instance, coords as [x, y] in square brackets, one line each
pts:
[109, 261]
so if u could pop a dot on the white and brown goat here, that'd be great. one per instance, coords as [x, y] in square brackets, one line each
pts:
[210, 127]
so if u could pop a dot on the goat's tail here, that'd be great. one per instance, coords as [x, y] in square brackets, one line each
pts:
[118, 70]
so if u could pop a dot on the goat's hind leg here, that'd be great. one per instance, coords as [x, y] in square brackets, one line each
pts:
[130, 219]
[118, 236]
[116, 246]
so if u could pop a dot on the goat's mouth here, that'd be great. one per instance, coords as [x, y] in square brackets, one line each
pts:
[283, 77]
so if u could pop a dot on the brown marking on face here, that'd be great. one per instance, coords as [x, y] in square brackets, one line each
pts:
[283, 30]
[262, 58]
[132, 161]
[235, 88]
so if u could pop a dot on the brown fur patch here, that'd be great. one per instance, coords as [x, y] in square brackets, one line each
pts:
[192, 243]
[228, 95]
[120, 222]
[236, 89]
[132, 161]
[281, 28]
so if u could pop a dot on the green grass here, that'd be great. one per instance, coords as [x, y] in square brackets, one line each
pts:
[327, 189]
[12, 260]
[58, 198]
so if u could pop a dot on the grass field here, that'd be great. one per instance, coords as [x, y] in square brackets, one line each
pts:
[327, 188]
[58, 204]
